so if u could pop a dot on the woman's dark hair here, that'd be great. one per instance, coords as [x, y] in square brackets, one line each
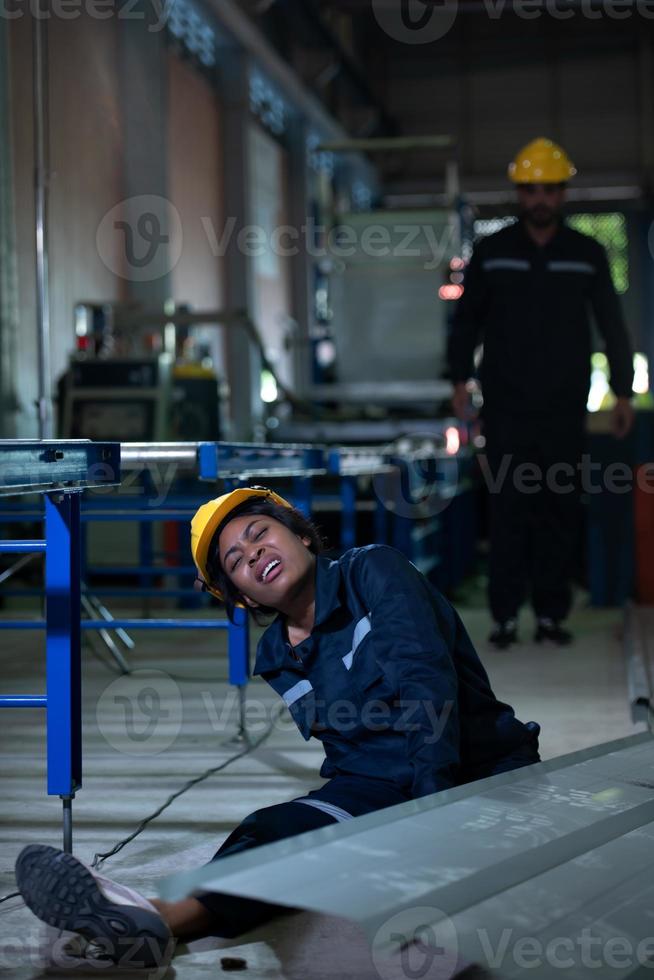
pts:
[291, 518]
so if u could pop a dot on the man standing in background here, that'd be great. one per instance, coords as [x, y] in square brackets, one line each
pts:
[528, 293]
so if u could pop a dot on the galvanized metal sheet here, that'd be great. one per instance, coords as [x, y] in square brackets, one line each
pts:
[506, 852]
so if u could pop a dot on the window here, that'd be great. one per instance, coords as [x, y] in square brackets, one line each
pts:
[610, 230]
[600, 395]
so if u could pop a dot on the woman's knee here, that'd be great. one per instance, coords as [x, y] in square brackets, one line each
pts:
[286, 820]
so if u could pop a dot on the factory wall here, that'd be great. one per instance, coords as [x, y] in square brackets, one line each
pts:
[132, 114]
[271, 268]
[8, 277]
[86, 147]
[195, 179]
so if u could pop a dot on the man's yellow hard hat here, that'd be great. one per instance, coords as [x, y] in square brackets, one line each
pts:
[208, 518]
[541, 162]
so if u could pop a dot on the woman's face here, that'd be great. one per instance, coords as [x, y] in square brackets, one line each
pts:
[264, 559]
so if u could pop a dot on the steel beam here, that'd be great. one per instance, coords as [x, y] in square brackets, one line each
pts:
[31, 466]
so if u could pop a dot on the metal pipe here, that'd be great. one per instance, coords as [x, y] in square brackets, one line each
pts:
[106, 638]
[8, 572]
[104, 612]
[126, 319]
[129, 624]
[137, 455]
[41, 177]
[381, 144]
[21, 547]
[23, 701]
[67, 823]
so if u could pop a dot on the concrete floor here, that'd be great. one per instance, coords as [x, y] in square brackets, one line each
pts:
[136, 753]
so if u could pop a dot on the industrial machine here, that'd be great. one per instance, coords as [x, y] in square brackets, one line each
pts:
[137, 382]
[388, 323]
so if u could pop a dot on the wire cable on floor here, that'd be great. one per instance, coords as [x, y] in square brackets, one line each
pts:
[250, 746]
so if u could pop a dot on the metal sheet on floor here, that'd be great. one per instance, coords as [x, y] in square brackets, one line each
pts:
[543, 852]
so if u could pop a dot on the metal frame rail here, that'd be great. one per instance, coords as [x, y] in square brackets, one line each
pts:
[62, 470]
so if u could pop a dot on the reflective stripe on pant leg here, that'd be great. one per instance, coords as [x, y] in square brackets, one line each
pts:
[329, 808]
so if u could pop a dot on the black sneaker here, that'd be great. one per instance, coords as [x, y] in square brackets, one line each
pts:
[549, 631]
[504, 634]
[66, 894]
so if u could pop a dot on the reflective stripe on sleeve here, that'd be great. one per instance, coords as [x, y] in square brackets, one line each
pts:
[564, 266]
[519, 265]
[361, 630]
[297, 691]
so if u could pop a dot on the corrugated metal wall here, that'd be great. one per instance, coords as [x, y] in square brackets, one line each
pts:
[195, 180]
[8, 275]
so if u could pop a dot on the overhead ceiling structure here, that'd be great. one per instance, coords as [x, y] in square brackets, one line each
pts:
[491, 73]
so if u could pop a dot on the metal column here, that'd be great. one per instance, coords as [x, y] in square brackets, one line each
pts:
[243, 359]
[63, 654]
[41, 175]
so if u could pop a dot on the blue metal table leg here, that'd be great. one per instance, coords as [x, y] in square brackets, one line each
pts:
[145, 560]
[302, 494]
[349, 513]
[63, 658]
[84, 550]
[238, 647]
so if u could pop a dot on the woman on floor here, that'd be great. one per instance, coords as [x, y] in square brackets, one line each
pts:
[368, 657]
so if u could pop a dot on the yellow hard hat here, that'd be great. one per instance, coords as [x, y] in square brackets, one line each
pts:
[208, 518]
[541, 162]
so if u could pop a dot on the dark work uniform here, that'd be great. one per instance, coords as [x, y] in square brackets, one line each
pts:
[391, 684]
[531, 306]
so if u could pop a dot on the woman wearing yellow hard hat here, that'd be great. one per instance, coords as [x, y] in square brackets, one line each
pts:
[368, 657]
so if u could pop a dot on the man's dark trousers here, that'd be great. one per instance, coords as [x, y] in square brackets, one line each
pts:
[532, 470]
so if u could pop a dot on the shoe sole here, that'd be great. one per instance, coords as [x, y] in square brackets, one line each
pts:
[550, 639]
[503, 644]
[61, 891]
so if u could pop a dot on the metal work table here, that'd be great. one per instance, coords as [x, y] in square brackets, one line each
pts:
[61, 471]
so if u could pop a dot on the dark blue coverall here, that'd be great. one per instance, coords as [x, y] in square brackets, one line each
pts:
[532, 307]
[391, 684]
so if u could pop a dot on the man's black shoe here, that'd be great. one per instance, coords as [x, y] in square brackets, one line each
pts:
[504, 634]
[548, 631]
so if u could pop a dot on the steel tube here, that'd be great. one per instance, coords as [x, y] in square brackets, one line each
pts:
[21, 547]
[126, 624]
[40, 108]
[136, 455]
[23, 701]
